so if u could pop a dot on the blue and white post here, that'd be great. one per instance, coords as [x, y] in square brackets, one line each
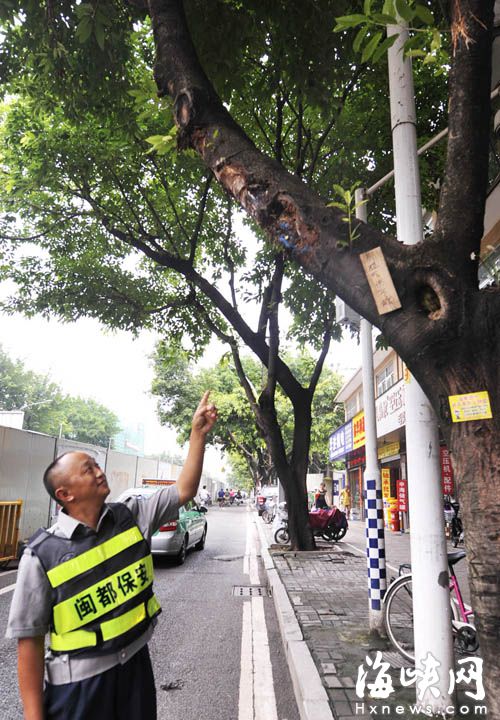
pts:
[374, 510]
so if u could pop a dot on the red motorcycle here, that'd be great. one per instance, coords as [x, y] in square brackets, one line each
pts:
[329, 524]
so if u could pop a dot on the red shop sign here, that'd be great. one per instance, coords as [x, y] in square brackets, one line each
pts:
[446, 472]
[402, 491]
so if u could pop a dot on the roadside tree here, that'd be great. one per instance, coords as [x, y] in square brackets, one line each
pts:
[447, 330]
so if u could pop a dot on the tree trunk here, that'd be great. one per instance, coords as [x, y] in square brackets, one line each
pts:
[476, 460]
[292, 474]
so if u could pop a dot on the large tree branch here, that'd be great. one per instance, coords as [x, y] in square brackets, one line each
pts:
[254, 340]
[297, 218]
[327, 338]
[274, 334]
[434, 317]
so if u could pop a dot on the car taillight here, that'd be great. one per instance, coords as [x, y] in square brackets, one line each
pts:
[170, 526]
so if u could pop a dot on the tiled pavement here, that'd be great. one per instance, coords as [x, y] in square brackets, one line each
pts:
[328, 592]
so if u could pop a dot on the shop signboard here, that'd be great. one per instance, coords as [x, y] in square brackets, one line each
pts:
[356, 458]
[358, 430]
[340, 442]
[446, 472]
[390, 409]
[402, 491]
[386, 483]
[388, 450]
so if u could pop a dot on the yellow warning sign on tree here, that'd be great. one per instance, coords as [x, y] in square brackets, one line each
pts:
[471, 406]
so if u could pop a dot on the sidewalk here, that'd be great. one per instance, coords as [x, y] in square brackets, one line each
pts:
[321, 599]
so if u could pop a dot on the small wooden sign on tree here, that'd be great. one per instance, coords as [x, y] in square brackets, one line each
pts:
[380, 281]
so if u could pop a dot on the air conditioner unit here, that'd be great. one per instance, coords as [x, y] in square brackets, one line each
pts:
[346, 315]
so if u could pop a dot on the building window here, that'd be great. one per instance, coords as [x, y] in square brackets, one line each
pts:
[351, 408]
[385, 379]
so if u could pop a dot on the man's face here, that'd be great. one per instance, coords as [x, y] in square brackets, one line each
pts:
[80, 479]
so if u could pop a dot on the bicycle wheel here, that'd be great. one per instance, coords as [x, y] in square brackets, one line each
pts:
[267, 517]
[282, 536]
[398, 616]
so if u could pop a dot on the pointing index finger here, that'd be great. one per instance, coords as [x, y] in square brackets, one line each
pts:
[204, 398]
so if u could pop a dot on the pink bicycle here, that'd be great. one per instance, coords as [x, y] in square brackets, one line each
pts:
[398, 612]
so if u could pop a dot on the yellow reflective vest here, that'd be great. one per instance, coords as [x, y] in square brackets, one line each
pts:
[102, 594]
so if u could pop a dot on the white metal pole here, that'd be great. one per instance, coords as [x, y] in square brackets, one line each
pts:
[431, 597]
[374, 512]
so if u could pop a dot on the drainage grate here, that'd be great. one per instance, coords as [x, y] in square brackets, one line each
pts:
[250, 591]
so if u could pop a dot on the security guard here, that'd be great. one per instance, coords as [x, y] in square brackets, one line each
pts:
[88, 580]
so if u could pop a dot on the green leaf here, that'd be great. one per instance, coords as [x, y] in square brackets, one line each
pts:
[99, 35]
[404, 10]
[429, 59]
[367, 7]
[388, 8]
[415, 53]
[383, 47]
[84, 9]
[84, 29]
[436, 39]
[385, 19]
[348, 21]
[370, 46]
[360, 36]
[424, 14]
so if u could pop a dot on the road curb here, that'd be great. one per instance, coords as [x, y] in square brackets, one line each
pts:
[311, 696]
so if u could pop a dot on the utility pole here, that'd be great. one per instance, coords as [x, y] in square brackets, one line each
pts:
[431, 597]
[374, 511]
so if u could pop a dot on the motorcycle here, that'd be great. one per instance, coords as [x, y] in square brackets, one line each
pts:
[329, 524]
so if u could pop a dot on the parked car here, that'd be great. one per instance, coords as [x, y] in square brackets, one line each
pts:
[266, 494]
[176, 537]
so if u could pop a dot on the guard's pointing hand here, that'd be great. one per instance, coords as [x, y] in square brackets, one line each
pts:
[205, 415]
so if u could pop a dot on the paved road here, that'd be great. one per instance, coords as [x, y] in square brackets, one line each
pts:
[216, 656]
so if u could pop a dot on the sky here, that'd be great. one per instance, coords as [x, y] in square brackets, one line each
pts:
[113, 368]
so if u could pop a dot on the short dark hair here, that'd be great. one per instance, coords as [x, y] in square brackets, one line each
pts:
[48, 477]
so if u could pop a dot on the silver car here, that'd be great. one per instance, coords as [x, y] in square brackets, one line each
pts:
[177, 536]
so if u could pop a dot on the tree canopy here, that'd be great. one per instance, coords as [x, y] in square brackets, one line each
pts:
[48, 410]
[178, 383]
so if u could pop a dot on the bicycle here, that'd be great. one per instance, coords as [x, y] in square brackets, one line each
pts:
[398, 613]
[269, 513]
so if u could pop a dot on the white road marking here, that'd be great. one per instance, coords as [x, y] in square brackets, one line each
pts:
[264, 697]
[257, 700]
[7, 589]
[250, 563]
[245, 711]
[7, 572]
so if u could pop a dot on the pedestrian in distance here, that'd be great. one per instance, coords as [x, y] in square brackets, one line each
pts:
[345, 500]
[320, 502]
[88, 582]
[204, 496]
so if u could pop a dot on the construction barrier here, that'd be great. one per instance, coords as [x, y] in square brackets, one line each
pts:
[10, 512]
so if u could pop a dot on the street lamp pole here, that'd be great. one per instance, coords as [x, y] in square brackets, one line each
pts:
[431, 596]
[374, 511]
